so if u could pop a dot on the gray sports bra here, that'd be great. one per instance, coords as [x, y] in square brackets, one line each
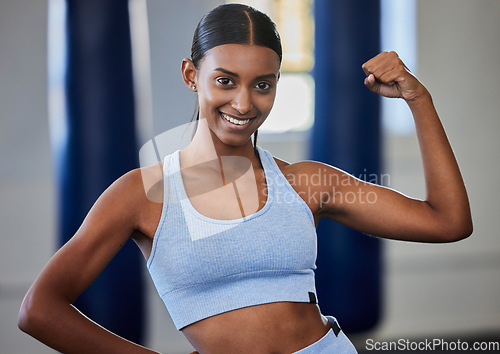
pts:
[202, 267]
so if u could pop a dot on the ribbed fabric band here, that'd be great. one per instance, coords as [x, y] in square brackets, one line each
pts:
[236, 292]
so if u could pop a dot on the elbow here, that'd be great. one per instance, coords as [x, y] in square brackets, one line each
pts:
[464, 227]
[457, 231]
[29, 317]
[468, 229]
[23, 320]
[25, 316]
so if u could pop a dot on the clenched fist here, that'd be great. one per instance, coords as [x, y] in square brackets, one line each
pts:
[388, 76]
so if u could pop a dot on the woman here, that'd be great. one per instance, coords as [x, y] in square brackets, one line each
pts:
[232, 246]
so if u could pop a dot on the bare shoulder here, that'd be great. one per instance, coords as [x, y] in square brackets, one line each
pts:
[281, 163]
[310, 172]
[314, 181]
[120, 199]
[132, 194]
[137, 183]
[151, 178]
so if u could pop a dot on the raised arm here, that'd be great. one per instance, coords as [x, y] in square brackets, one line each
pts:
[47, 312]
[444, 216]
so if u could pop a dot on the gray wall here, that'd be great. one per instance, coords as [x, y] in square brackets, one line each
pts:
[436, 290]
[430, 290]
[26, 182]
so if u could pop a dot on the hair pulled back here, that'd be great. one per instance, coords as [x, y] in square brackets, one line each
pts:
[234, 24]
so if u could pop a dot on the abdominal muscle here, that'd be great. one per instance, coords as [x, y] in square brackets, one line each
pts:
[281, 327]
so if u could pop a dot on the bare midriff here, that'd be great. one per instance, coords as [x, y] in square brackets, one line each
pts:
[282, 327]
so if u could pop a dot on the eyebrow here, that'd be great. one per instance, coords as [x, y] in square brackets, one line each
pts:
[266, 76]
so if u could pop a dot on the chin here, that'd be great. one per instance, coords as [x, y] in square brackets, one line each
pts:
[235, 142]
[233, 138]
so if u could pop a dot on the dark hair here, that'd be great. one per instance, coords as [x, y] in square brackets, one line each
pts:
[234, 24]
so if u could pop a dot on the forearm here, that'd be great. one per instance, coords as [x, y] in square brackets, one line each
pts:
[62, 327]
[446, 192]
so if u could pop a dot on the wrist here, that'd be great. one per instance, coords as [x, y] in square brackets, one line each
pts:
[423, 98]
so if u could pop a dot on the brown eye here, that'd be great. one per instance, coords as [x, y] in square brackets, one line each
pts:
[224, 81]
[263, 86]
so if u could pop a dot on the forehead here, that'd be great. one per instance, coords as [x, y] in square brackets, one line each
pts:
[241, 59]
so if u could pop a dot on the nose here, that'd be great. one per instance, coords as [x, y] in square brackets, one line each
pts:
[242, 101]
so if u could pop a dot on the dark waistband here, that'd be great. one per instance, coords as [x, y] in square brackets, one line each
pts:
[334, 325]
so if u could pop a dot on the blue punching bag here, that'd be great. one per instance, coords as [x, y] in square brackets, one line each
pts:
[98, 145]
[346, 134]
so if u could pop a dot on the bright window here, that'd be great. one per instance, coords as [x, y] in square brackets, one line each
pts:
[398, 33]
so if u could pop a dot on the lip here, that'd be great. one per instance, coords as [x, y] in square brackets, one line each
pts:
[235, 126]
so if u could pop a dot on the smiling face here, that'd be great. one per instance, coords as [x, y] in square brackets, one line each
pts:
[236, 87]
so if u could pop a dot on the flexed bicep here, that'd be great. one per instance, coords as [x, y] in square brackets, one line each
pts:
[381, 211]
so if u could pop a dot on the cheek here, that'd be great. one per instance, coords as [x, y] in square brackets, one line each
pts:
[266, 103]
[211, 100]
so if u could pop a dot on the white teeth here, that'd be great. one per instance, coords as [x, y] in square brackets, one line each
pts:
[235, 121]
